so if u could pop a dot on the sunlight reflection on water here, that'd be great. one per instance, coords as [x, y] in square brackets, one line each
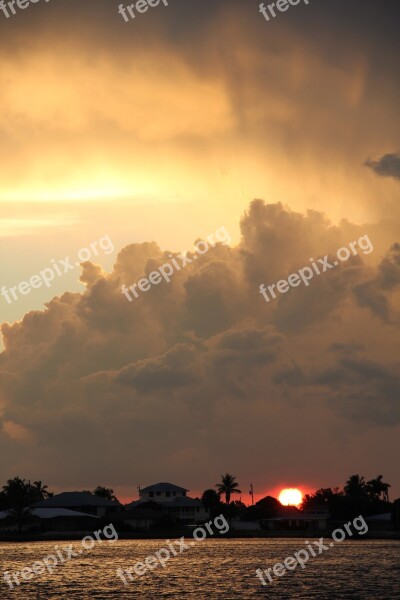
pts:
[223, 569]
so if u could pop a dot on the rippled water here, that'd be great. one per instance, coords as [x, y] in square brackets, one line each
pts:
[223, 569]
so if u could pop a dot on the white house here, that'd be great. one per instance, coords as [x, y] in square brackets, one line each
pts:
[161, 492]
[174, 502]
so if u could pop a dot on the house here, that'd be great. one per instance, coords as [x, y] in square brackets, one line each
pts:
[140, 519]
[161, 492]
[187, 510]
[84, 502]
[237, 524]
[293, 519]
[174, 502]
[381, 522]
[63, 520]
[48, 520]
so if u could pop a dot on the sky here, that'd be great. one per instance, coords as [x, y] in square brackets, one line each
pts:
[146, 136]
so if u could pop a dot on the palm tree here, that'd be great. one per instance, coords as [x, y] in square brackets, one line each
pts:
[17, 496]
[40, 490]
[379, 488]
[355, 486]
[228, 487]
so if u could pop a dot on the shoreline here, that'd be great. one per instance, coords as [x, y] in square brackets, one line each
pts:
[157, 535]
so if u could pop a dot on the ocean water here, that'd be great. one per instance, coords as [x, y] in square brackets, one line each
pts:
[221, 568]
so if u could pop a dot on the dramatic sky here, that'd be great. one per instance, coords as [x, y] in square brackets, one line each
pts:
[156, 133]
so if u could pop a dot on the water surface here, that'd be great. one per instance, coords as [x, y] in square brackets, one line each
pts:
[223, 569]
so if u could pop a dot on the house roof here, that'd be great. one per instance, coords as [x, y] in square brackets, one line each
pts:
[297, 517]
[69, 499]
[133, 504]
[380, 517]
[50, 513]
[163, 487]
[4, 514]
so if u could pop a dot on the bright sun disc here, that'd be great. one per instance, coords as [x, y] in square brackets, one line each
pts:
[290, 497]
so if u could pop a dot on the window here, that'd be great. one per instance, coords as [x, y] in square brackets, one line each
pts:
[158, 493]
[168, 494]
[151, 494]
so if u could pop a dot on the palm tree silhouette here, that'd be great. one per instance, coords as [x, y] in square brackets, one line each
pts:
[40, 490]
[379, 488]
[355, 486]
[228, 487]
[16, 493]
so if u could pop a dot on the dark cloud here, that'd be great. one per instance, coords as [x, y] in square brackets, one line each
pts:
[375, 293]
[355, 386]
[387, 166]
[364, 390]
[175, 369]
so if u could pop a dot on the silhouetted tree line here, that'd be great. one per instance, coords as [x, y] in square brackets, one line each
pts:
[358, 496]
[212, 500]
[104, 492]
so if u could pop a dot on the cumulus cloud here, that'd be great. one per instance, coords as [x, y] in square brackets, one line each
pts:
[181, 374]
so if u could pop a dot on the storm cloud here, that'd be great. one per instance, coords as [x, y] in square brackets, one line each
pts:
[193, 364]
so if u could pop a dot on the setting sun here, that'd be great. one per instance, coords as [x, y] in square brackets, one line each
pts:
[290, 497]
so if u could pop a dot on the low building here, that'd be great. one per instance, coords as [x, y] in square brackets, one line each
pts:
[84, 502]
[44, 520]
[237, 524]
[293, 519]
[381, 522]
